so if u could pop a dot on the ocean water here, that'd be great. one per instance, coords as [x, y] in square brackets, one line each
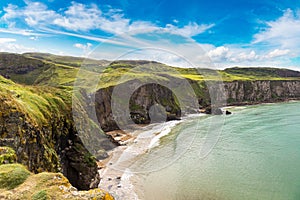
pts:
[257, 156]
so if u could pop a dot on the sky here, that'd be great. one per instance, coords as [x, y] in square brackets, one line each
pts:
[229, 33]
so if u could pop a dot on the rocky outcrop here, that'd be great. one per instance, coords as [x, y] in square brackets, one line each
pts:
[246, 93]
[253, 92]
[53, 147]
[227, 93]
[46, 141]
[141, 103]
[16, 182]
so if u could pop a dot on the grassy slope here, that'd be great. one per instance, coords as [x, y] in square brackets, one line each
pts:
[38, 102]
[45, 87]
[65, 60]
[119, 72]
[16, 182]
[62, 71]
[54, 78]
[59, 73]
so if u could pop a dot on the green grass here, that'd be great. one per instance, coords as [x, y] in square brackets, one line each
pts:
[7, 155]
[53, 78]
[261, 73]
[63, 71]
[16, 183]
[39, 103]
[12, 175]
[65, 60]
[40, 195]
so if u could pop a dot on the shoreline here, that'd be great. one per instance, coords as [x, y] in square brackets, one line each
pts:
[262, 102]
[115, 177]
[114, 170]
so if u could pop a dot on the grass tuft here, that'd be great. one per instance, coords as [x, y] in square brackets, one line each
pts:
[12, 175]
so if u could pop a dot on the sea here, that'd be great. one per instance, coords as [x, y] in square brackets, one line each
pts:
[254, 154]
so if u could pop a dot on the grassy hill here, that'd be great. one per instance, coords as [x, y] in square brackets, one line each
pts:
[38, 102]
[36, 113]
[62, 71]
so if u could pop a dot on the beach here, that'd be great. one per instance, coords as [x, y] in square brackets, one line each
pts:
[117, 172]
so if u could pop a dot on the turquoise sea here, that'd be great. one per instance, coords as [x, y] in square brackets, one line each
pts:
[257, 156]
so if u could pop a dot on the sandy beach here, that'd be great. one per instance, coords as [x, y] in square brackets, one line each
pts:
[116, 173]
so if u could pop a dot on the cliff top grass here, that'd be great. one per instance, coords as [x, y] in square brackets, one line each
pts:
[113, 73]
[16, 182]
[38, 103]
[63, 71]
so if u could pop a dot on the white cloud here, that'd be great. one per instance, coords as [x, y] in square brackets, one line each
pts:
[189, 30]
[35, 38]
[34, 13]
[10, 45]
[244, 56]
[235, 55]
[7, 40]
[23, 32]
[219, 53]
[85, 47]
[278, 53]
[81, 17]
[283, 32]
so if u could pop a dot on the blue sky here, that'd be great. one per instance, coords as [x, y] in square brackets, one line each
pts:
[230, 33]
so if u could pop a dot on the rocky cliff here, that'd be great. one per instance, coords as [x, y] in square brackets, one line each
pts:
[37, 123]
[252, 92]
[16, 182]
[234, 93]
[140, 103]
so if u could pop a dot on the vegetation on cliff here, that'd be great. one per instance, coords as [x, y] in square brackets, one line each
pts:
[16, 182]
[36, 118]
[36, 121]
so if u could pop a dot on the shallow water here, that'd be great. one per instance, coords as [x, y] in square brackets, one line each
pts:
[257, 156]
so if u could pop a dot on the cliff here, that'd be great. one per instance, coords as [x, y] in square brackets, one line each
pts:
[16, 182]
[140, 103]
[253, 92]
[235, 93]
[37, 123]
[37, 108]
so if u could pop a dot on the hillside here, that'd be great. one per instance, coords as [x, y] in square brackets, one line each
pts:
[48, 69]
[38, 104]
[36, 121]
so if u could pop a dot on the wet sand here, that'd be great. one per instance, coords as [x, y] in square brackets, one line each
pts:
[115, 171]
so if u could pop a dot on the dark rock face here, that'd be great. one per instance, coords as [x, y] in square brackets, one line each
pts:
[156, 99]
[251, 92]
[213, 111]
[54, 147]
[228, 112]
[141, 102]
[103, 109]
[235, 93]
[14, 64]
[79, 166]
